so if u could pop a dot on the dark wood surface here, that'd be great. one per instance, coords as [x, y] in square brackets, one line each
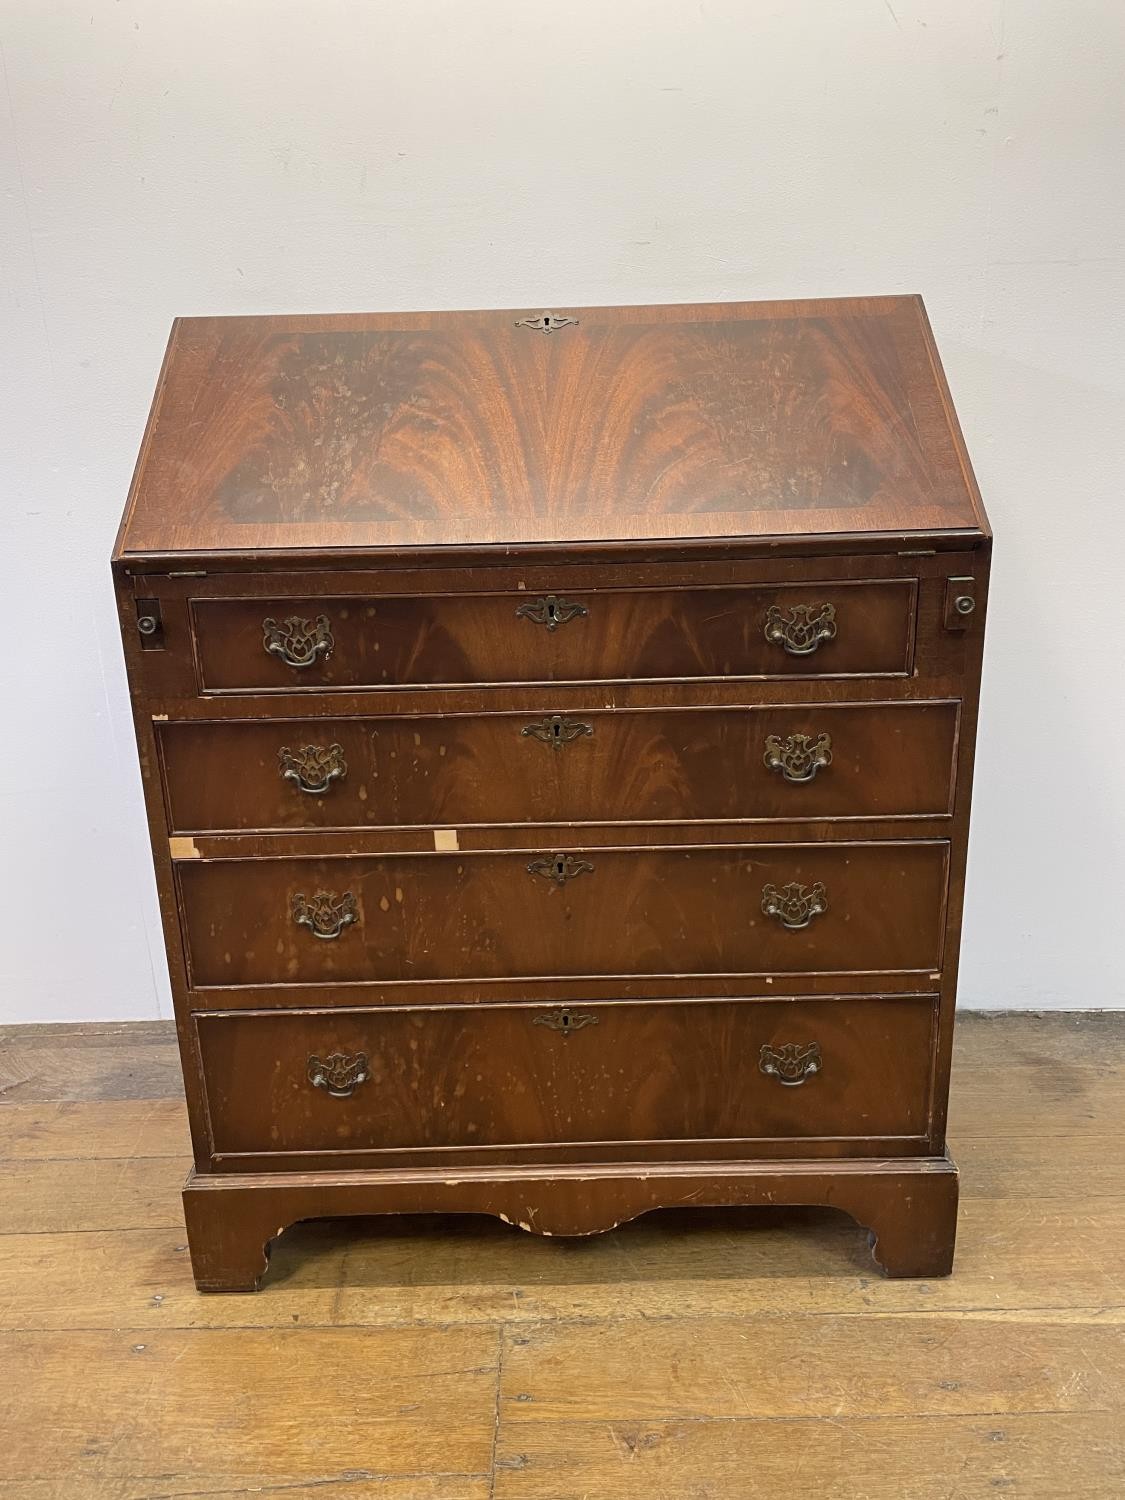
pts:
[685, 1076]
[685, 911]
[597, 766]
[648, 633]
[399, 431]
[487, 527]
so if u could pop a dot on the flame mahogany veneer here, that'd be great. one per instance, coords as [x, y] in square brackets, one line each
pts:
[557, 735]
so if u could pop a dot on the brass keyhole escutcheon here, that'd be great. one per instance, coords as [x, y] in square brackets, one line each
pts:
[556, 730]
[564, 1020]
[551, 610]
[559, 867]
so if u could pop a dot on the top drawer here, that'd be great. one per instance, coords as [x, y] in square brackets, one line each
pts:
[835, 629]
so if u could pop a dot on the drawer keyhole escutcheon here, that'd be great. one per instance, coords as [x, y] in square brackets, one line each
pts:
[297, 642]
[339, 1074]
[556, 730]
[312, 768]
[794, 906]
[802, 629]
[799, 757]
[551, 610]
[564, 1020]
[559, 867]
[792, 1064]
[548, 322]
[325, 914]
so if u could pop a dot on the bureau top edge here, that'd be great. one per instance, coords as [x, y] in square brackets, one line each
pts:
[750, 429]
[652, 552]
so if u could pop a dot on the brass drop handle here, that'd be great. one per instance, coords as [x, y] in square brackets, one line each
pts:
[559, 867]
[325, 914]
[339, 1074]
[791, 1064]
[551, 610]
[312, 768]
[798, 757]
[297, 642]
[802, 629]
[794, 906]
[556, 730]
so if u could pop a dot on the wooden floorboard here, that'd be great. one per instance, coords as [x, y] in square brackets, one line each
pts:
[81, 1129]
[262, 1404]
[1035, 1457]
[59, 1063]
[686, 1356]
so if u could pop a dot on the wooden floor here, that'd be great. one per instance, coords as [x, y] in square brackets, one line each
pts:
[684, 1356]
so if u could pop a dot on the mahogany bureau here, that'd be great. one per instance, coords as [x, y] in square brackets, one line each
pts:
[557, 734]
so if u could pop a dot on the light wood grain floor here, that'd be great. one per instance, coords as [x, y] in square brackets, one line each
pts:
[684, 1357]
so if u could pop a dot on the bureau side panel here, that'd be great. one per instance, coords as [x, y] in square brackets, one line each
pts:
[145, 669]
[967, 638]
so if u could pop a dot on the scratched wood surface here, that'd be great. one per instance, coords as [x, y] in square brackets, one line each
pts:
[694, 1356]
[404, 430]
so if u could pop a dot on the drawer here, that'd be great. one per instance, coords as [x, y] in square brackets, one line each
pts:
[488, 1076]
[645, 766]
[774, 908]
[313, 644]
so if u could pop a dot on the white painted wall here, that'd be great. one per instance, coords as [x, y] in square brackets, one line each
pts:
[230, 156]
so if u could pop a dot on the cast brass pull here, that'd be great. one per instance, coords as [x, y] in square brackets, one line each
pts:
[340, 1073]
[325, 914]
[803, 629]
[564, 1020]
[559, 867]
[297, 642]
[556, 730]
[312, 768]
[551, 610]
[798, 758]
[792, 1064]
[793, 905]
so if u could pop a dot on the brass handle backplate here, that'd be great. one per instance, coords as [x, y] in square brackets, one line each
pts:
[799, 757]
[564, 1020]
[325, 914]
[551, 610]
[297, 642]
[312, 768]
[556, 730]
[340, 1073]
[802, 629]
[559, 867]
[794, 906]
[792, 1064]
